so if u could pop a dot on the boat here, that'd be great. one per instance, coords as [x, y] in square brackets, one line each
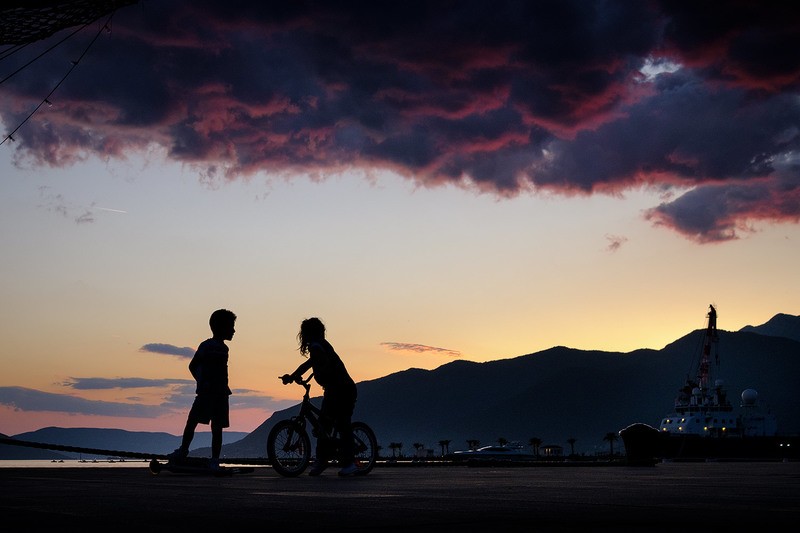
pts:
[704, 425]
[503, 452]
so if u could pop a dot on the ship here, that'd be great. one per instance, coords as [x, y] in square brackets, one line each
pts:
[704, 425]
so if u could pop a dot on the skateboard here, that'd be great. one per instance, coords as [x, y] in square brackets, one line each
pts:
[196, 465]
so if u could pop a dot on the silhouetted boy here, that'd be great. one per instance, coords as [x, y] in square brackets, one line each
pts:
[209, 367]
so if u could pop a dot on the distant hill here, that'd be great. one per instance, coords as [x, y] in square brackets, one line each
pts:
[781, 325]
[104, 439]
[563, 393]
[554, 395]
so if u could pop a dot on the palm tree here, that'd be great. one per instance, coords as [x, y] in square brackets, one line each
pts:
[535, 442]
[395, 447]
[502, 441]
[571, 442]
[445, 445]
[611, 437]
[473, 444]
[418, 446]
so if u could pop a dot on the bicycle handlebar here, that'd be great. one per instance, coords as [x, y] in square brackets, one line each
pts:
[287, 378]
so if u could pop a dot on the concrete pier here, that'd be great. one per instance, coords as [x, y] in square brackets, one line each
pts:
[664, 497]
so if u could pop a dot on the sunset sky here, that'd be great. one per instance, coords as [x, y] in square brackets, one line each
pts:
[435, 180]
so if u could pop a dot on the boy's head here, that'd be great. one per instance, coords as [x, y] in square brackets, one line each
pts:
[221, 323]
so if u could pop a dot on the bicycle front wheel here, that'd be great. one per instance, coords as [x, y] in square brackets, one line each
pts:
[288, 448]
[365, 447]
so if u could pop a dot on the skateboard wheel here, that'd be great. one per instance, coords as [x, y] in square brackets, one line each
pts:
[155, 466]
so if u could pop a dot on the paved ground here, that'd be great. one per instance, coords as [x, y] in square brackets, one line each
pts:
[664, 497]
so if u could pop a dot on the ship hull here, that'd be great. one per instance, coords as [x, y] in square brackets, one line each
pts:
[644, 444]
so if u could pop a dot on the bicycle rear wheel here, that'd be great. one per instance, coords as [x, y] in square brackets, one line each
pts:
[288, 448]
[365, 448]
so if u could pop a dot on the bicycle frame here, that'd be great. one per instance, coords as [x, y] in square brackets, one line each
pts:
[311, 413]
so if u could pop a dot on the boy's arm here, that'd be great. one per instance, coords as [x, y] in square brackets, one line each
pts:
[194, 365]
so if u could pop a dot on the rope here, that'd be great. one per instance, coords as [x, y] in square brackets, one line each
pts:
[117, 453]
[76, 449]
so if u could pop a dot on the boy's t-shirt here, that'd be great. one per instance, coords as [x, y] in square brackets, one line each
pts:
[209, 366]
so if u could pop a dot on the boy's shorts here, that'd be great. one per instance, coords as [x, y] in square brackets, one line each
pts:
[211, 409]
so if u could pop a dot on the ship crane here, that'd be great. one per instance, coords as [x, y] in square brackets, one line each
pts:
[700, 396]
[711, 340]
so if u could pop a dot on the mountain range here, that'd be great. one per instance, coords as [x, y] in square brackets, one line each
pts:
[559, 395]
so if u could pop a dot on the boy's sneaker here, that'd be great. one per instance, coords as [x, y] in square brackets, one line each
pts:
[178, 454]
[317, 468]
[349, 470]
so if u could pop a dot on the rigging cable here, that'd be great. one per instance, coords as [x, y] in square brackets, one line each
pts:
[74, 64]
[17, 49]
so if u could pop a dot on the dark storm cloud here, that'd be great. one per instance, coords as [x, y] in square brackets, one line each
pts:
[500, 97]
[718, 212]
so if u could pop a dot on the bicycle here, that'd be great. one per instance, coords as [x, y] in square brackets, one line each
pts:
[289, 443]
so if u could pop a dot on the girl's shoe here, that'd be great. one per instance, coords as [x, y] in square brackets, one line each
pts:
[349, 470]
[317, 468]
